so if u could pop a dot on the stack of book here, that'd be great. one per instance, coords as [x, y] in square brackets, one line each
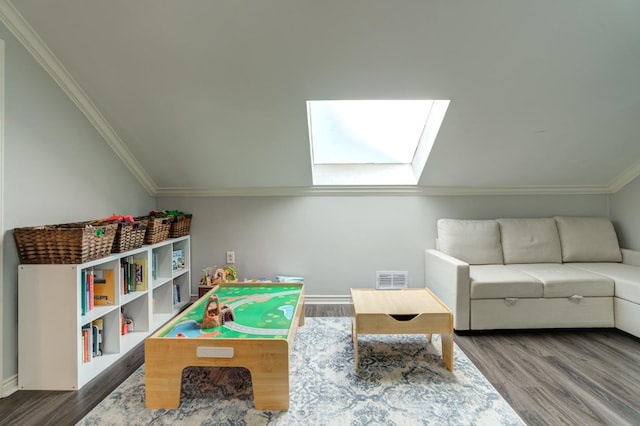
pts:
[133, 274]
[92, 343]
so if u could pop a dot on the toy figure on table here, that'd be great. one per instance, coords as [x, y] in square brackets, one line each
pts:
[216, 315]
[214, 275]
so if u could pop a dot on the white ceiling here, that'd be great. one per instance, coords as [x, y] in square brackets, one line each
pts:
[208, 97]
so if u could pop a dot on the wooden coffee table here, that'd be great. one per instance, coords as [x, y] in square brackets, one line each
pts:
[408, 311]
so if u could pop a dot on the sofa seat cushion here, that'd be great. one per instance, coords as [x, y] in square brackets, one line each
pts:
[626, 277]
[476, 242]
[499, 282]
[530, 240]
[561, 280]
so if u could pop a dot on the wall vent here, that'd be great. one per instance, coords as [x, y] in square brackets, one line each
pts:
[392, 280]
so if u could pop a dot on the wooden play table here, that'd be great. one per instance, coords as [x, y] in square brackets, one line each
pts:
[259, 337]
[407, 311]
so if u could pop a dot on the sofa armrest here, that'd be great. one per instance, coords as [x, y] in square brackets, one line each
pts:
[448, 278]
[631, 257]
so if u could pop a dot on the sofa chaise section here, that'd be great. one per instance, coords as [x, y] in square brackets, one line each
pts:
[627, 288]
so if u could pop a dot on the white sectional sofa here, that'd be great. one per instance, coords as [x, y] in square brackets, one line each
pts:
[560, 272]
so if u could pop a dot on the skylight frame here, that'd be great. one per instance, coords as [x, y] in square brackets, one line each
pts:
[379, 174]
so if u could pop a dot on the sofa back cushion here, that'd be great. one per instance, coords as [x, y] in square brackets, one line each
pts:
[588, 239]
[476, 242]
[530, 240]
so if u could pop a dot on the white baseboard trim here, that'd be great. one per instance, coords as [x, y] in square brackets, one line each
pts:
[9, 386]
[333, 299]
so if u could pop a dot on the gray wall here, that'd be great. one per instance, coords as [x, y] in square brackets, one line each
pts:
[625, 214]
[339, 242]
[57, 169]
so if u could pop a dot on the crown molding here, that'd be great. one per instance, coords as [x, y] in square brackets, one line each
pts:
[336, 191]
[625, 177]
[21, 29]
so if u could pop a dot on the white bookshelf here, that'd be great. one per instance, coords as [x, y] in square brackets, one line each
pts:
[50, 314]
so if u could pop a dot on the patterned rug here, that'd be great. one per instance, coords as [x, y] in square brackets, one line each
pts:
[402, 381]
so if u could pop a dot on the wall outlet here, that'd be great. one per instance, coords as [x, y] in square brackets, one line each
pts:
[231, 257]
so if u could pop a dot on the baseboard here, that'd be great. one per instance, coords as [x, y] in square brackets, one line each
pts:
[331, 299]
[334, 299]
[9, 386]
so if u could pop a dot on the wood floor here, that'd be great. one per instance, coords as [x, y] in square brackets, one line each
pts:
[576, 377]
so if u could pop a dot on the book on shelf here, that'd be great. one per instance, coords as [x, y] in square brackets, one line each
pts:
[176, 293]
[86, 343]
[97, 329]
[104, 287]
[154, 265]
[124, 289]
[128, 274]
[140, 274]
[125, 275]
[83, 291]
[177, 259]
[86, 291]
[90, 283]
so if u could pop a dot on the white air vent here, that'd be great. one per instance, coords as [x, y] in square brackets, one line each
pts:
[392, 280]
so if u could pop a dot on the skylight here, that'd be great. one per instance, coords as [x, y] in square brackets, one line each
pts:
[372, 142]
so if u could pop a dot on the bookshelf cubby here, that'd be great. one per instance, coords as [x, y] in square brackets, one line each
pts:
[54, 307]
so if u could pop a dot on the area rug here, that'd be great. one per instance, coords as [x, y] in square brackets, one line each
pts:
[402, 381]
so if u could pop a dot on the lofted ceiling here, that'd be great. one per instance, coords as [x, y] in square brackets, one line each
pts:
[208, 97]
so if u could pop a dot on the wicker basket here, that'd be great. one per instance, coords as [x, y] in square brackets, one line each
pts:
[129, 235]
[157, 229]
[180, 226]
[70, 243]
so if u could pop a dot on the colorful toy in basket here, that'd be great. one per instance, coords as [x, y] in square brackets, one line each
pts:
[114, 218]
[167, 213]
[130, 233]
[180, 221]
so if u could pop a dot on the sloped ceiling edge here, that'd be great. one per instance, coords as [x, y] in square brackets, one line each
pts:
[21, 29]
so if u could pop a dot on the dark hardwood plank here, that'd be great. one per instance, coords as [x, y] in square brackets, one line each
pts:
[550, 377]
[562, 376]
[67, 408]
[334, 310]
